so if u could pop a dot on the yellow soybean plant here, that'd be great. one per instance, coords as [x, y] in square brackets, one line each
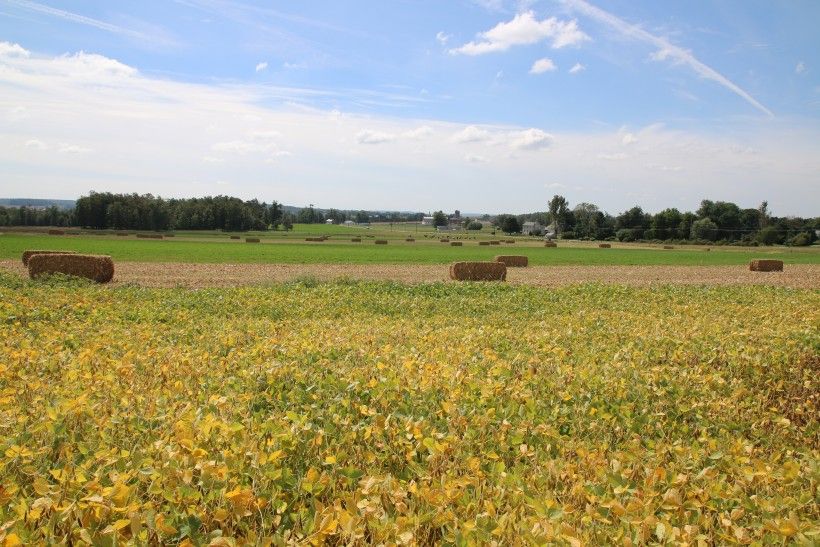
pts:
[360, 413]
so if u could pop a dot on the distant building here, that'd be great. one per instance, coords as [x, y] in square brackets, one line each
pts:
[349, 223]
[427, 221]
[532, 229]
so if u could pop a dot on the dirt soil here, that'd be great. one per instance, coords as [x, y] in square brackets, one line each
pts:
[152, 274]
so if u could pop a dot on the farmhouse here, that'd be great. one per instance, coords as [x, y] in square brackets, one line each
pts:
[532, 228]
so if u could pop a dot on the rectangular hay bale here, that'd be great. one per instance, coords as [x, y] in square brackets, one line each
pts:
[604, 245]
[455, 244]
[149, 236]
[380, 242]
[478, 271]
[550, 244]
[484, 243]
[99, 268]
[28, 254]
[513, 261]
[56, 232]
[766, 265]
[252, 240]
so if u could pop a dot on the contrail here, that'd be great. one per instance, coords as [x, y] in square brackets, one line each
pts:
[666, 49]
[76, 18]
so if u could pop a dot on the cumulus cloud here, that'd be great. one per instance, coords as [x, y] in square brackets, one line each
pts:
[261, 66]
[628, 139]
[66, 148]
[418, 133]
[576, 68]
[475, 158]
[366, 136]
[531, 139]
[36, 143]
[472, 133]
[800, 68]
[8, 49]
[524, 29]
[542, 65]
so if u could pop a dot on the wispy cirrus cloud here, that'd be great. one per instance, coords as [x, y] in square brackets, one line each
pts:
[665, 49]
[88, 21]
[524, 29]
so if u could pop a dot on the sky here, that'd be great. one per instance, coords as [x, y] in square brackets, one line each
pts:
[477, 105]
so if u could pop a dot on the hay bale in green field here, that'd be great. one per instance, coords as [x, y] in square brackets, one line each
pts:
[766, 265]
[95, 267]
[252, 240]
[550, 244]
[28, 254]
[478, 271]
[380, 242]
[356, 239]
[149, 236]
[410, 240]
[513, 261]
[122, 234]
[56, 232]
[510, 241]
[604, 246]
[235, 237]
[668, 247]
[484, 243]
[456, 244]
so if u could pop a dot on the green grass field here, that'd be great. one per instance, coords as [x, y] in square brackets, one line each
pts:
[223, 250]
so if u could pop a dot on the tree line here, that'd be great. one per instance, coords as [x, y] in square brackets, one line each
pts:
[714, 221]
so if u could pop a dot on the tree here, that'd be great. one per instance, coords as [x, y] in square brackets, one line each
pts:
[763, 209]
[287, 222]
[558, 212]
[634, 220]
[704, 228]
[508, 224]
[586, 220]
[439, 219]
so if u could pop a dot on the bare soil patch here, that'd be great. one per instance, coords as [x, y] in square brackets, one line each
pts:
[147, 274]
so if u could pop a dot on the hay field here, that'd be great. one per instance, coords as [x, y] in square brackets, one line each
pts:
[368, 412]
[423, 251]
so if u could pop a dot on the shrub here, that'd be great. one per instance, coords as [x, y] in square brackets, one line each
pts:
[569, 234]
[626, 234]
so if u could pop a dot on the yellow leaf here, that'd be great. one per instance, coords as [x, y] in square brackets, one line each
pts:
[12, 540]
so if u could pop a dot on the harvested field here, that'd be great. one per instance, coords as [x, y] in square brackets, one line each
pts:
[152, 274]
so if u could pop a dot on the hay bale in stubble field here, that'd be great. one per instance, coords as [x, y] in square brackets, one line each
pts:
[96, 267]
[122, 234]
[604, 245]
[456, 244]
[380, 242]
[252, 240]
[444, 240]
[235, 237]
[668, 247]
[513, 261]
[478, 271]
[315, 239]
[483, 242]
[149, 236]
[28, 254]
[550, 244]
[766, 265]
[356, 239]
[410, 240]
[56, 232]
[495, 242]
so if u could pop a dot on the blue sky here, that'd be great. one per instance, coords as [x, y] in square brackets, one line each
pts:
[484, 105]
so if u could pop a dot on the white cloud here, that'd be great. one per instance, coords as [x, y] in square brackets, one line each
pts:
[524, 29]
[531, 139]
[443, 38]
[470, 134]
[616, 156]
[366, 136]
[542, 65]
[628, 139]
[7, 49]
[235, 132]
[475, 158]
[666, 50]
[554, 185]
[800, 68]
[418, 133]
[36, 143]
[65, 148]
[576, 68]
[261, 66]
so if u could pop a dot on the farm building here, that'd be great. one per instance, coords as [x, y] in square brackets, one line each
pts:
[534, 228]
[427, 221]
[349, 223]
